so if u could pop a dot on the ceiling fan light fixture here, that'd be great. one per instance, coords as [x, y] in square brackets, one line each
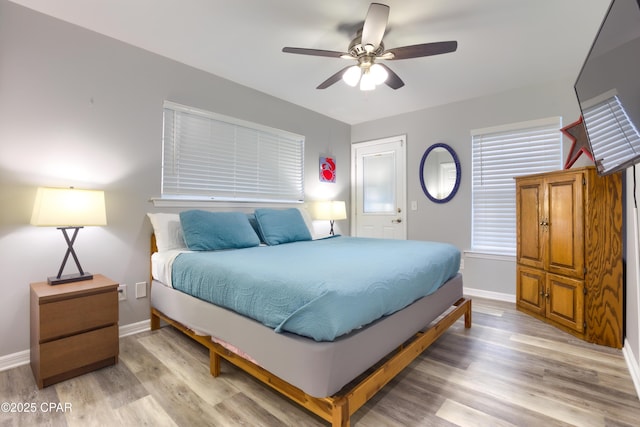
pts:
[367, 47]
[352, 75]
[367, 81]
[378, 73]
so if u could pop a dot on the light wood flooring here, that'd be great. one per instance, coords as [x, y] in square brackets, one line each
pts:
[507, 370]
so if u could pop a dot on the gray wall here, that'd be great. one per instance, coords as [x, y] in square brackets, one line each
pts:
[80, 109]
[632, 293]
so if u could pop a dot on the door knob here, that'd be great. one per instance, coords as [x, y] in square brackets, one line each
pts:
[397, 221]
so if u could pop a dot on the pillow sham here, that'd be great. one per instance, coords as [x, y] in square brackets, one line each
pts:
[308, 221]
[211, 231]
[281, 226]
[168, 231]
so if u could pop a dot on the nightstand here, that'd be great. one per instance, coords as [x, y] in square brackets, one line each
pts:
[74, 328]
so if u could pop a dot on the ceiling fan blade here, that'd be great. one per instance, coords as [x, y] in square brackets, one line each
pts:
[425, 49]
[393, 81]
[375, 25]
[314, 52]
[333, 79]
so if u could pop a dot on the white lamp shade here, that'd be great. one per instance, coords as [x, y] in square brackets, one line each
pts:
[367, 82]
[378, 73]
[330, 210]
[352, 75]
[63, 207]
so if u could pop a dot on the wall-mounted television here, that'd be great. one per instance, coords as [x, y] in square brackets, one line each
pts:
[608, 89]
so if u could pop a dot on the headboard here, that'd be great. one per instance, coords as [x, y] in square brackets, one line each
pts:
[153, 248]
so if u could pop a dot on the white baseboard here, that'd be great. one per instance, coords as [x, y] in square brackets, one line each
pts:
[134, 328]
[23, 357]
[633, 365]
[489, 295]
[13, 360]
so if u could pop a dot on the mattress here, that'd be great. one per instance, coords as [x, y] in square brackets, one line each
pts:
[320, 289]
[320, 369]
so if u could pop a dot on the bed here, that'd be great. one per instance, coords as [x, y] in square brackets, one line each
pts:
[331, 370]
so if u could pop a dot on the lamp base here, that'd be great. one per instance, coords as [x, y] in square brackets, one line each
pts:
[68, 278]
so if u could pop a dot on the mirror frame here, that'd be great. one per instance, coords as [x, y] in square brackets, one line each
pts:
[458, 172]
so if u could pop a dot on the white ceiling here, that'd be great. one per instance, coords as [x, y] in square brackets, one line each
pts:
[502, 44]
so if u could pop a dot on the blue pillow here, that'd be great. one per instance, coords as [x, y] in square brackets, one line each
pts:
[211, 231]
[281, 226]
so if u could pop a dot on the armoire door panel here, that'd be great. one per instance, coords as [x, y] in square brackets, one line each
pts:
[565, 248]
[529, 204]
[530, 285]
[565, 304]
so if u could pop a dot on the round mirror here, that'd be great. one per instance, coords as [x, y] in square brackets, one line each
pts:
[440, 173]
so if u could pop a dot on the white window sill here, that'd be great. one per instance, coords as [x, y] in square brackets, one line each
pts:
[483, 255]
[159, 202]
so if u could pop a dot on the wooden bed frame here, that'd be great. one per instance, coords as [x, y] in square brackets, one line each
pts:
[336, 409]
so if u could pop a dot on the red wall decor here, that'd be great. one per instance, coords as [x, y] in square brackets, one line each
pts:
[578, 134]
[327, 169]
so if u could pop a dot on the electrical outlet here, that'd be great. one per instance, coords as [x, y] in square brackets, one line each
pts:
[122, 292]
[141, 289]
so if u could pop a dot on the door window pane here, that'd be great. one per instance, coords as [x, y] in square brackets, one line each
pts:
[378, 178]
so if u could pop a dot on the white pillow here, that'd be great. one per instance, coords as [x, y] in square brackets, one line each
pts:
[308, 220]
[168, 231]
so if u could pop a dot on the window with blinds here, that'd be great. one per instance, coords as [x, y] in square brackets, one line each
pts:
[499, 155]
[615, 142]
[206, 156]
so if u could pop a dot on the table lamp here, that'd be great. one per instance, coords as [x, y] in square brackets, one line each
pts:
[69, 209]
[332, 211]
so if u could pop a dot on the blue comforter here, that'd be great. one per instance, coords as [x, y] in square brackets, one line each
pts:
[322, 288]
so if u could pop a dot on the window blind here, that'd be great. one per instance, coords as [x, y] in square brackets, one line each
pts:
[614, 140]
[498, 155]
[206, 156]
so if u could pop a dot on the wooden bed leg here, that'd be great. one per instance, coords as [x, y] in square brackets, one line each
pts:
[340, 414]
[467, 315]
[214, 363]
[155, 321]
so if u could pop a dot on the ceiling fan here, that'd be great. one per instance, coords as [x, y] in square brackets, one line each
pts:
[367, 47]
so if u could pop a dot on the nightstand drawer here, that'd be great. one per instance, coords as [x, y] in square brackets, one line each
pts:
[77, 351]
[70, 316]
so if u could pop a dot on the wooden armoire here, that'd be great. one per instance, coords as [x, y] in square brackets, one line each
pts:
[570, 252]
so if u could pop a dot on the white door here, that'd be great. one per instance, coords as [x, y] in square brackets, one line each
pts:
[378, 177]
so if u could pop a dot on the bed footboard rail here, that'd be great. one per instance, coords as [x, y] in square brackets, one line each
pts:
[406, 354]
[336, 409]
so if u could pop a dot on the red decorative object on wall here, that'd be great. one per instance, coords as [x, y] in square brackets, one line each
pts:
[578, 134]
[327, 169]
